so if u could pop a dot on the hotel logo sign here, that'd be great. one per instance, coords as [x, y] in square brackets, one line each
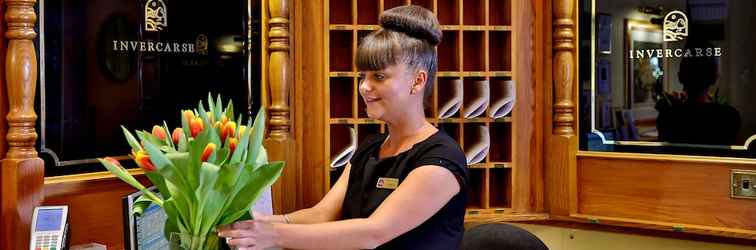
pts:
[200, 44]
[675, 29]
[155, 15]
[675, 26]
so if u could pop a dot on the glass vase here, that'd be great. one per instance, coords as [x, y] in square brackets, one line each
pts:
[183, 241]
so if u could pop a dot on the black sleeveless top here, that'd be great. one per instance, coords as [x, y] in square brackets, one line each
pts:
[441, 231]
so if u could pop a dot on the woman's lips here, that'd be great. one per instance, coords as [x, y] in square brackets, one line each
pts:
[371, 99]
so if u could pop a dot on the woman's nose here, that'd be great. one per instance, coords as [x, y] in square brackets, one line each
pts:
[365, 86]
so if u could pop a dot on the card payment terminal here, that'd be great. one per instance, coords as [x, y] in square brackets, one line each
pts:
[49, 227]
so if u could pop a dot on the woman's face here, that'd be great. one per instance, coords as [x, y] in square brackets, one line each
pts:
[387, 92]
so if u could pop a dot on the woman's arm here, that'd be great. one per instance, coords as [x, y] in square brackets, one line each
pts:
[328, 209]
[425, 191]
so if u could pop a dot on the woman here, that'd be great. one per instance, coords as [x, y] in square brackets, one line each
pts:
[402, 190]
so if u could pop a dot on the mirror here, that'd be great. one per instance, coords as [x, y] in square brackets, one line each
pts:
[109, 63]
[668, 76]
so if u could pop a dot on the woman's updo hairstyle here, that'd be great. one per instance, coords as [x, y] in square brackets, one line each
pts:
[409, 34]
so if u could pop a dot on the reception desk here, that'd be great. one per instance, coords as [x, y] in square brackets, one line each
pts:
[95, 204]
[544, 166]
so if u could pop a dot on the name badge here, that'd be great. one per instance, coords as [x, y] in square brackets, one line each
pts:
[387, 183]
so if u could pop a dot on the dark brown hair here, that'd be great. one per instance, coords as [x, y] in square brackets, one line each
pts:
[409, 34]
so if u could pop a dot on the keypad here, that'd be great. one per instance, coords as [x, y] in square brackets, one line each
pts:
[46, 241]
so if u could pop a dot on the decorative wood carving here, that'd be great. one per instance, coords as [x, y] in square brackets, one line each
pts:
[21, 68]
[279, 69]
[278, 142]
[22, 172]
[561, 144]
[564, 67]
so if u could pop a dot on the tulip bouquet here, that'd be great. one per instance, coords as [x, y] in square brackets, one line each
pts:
[208, 171]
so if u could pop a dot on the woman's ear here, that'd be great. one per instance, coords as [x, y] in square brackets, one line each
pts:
[418, 85]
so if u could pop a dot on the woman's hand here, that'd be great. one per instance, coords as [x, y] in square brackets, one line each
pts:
[249, 234]
[267, 218]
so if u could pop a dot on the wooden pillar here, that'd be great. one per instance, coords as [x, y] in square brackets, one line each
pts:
[22, 171]
[564, 67]
[561, 140]
[278, 141]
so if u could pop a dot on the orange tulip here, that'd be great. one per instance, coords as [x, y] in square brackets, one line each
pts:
[209, 149]
[227, 130]
[196, 126]
[232, 143]
[113, 160]
[158, 132]
[188, 115]
[143, 160]
[176, 135]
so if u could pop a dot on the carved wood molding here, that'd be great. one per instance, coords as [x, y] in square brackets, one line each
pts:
[21, 76]
[22, 172]
[564, 67]
[279, 143]
[279, 70]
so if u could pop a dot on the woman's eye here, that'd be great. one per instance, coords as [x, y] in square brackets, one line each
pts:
[379, 77]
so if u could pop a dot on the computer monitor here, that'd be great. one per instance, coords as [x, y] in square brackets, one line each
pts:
[144, 232]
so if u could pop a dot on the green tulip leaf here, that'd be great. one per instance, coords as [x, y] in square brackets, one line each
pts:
[257, 181]
[240, 150]
[140, 204]
[208, 176]
[218, 108]
[258, 131]
[211, 103]
[135, 146]
[165, 167]
[203, 114]
[172, 222]
[229, 112]
[169, 138]
[159, 182]
[183, 143]
[182, 161]
[184, 202]
[222, 156]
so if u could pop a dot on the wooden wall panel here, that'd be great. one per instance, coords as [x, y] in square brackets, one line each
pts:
[310, 105]
[663, 190]
[527, 152]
